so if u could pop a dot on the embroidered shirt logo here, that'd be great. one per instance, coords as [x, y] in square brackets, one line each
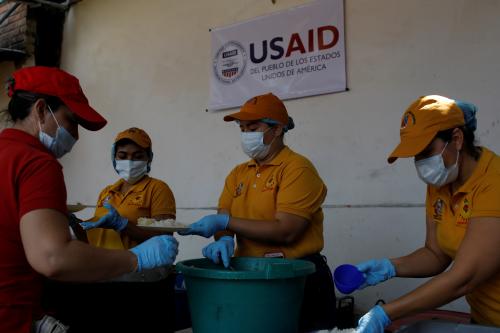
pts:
[465, 213]
[137, 200]
[270, 185]
[438, 209]
[238, 190]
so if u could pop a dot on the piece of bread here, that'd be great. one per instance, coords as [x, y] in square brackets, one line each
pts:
[149, 222]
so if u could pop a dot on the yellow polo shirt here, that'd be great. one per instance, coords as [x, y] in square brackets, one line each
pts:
[478, 197]
[288, 184]
[147, 198]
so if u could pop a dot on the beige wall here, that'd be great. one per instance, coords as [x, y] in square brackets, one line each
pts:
[146, 64]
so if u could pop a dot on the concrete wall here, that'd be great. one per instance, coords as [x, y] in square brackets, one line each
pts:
[146, 64]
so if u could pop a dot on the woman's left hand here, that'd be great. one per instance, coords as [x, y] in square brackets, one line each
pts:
[112, 220]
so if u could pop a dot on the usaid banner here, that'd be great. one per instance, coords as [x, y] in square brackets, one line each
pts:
[293, 53]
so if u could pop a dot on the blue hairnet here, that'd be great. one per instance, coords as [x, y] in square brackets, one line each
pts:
[469, 111]
[273, 122]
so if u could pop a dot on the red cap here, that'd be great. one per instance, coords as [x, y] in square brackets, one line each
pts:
[56, 82]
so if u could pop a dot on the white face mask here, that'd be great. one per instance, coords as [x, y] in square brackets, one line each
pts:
[253, 144]
[433, 171]
[131, 171]
[61, 144]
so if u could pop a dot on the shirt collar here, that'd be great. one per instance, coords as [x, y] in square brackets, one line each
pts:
[480, 169]
[277, 160]
[23, 137]
[137, 187]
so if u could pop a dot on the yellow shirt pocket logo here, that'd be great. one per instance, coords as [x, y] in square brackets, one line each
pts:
[270, 185]
[438, 209]
[136, 200]
[238, 190]
[465, 213]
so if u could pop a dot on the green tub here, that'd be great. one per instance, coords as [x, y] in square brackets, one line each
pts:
[255, 295]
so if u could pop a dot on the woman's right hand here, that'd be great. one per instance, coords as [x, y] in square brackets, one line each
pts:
[208, 225]
[156, 252]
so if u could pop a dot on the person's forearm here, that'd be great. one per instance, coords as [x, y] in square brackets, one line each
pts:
[436, 292]
[78, 261]
[421, 263]
[260, 230]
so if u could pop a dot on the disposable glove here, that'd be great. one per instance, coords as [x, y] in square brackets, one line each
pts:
[155, 252]
[207, 226]
[223, 248]
[112, 220]
[376, 271]
[374, 321]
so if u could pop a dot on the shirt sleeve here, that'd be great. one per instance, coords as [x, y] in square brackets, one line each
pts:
[227, 195]
[41, 186]
[162, 200]
[226, 200]
[486, 202]
[301, 192]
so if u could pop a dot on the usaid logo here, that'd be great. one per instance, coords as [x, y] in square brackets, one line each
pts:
[229, 62]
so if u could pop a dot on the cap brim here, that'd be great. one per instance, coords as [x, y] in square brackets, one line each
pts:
[243, 116]
[410, 147]
[87, 117]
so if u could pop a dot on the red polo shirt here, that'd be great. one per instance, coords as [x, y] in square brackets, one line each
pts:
[30, 178]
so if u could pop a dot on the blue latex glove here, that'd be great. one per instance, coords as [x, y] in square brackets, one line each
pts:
[112, 220]
[155, 252]
[376, 271]
[207, 226]
[223, 248]
[374, 321]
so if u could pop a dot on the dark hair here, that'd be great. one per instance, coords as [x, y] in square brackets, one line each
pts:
[21, 102]
[469, 140]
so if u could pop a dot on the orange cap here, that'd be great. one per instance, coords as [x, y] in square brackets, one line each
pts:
[260, 107]
[137, 135]
[423, 119]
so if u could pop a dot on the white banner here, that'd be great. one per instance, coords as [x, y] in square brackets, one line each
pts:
[293, 53]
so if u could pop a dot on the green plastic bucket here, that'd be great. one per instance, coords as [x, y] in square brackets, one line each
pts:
[254, 295]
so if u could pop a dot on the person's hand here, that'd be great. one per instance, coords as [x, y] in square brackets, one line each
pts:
[207, 226]
[112, 220]
[374, 321]
[155, 252]
[376, 271]
[223, 248]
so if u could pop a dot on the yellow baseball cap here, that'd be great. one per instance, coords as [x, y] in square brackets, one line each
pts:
[139, 136]
[262, 107]
[423, 119]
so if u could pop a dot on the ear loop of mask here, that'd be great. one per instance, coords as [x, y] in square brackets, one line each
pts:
[53, 116]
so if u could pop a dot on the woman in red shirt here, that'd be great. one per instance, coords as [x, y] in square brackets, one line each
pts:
[46, 107]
